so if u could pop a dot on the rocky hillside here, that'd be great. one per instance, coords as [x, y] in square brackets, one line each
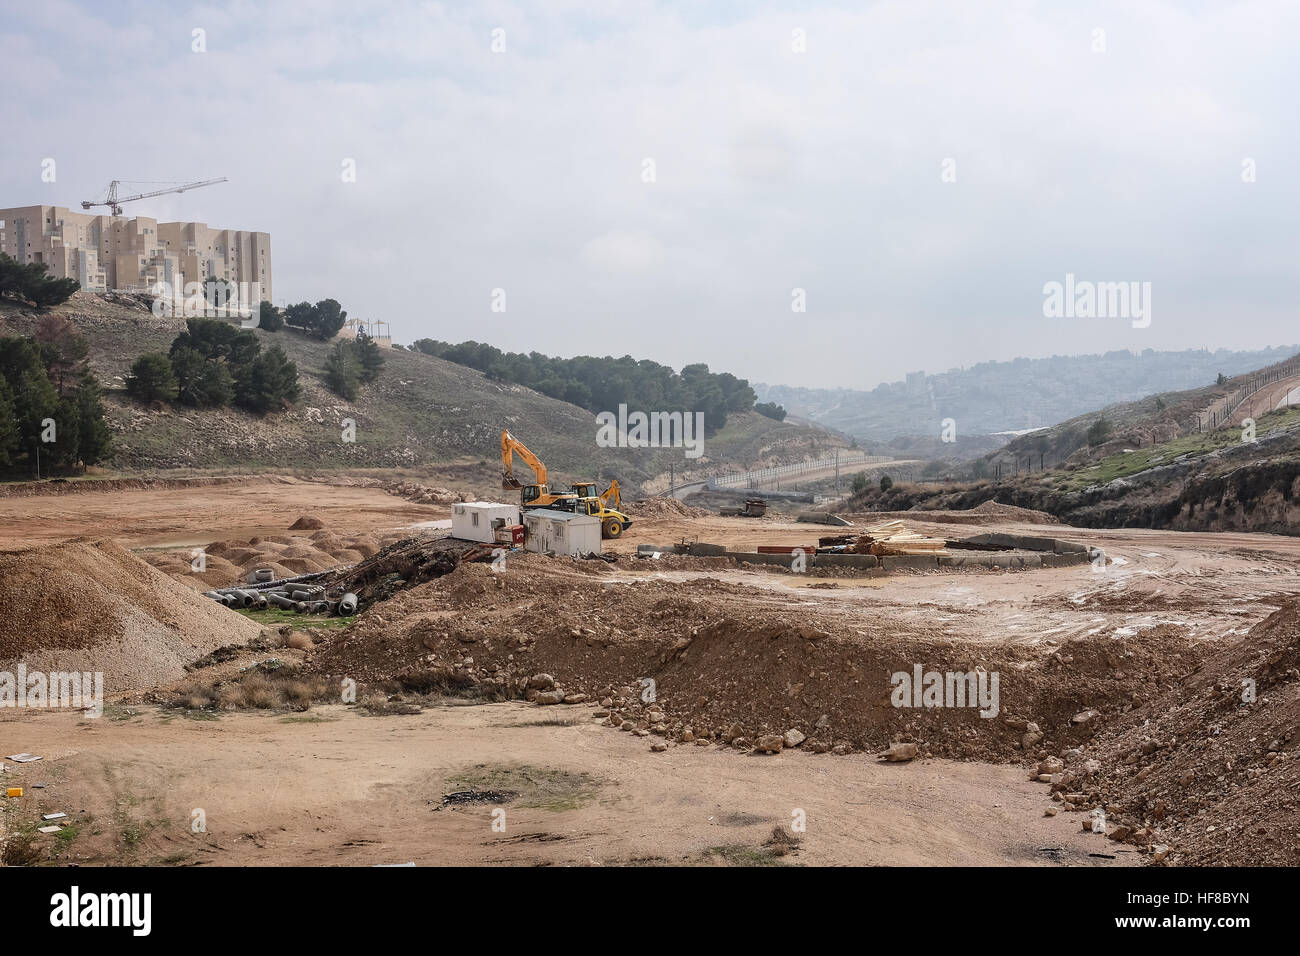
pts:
[1214, 481]
[422, 413]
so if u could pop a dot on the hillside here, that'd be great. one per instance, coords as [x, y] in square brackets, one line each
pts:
[1004, 396]
[1210, 481]
[422, 413]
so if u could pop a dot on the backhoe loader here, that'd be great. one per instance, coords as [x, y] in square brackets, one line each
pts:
[612, 521]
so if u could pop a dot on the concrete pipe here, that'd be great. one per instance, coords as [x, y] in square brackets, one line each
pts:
[348, 604]
[279, 600]
[320, 607]
[263, 574]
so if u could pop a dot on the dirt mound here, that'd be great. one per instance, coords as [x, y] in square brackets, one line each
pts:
[726, 657]
[996, 509]
[230, 562]
[93, 606]
[307, 523]
[1214, 774]
[660, 507]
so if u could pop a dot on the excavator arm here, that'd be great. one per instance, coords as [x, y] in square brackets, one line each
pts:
[510, 445]
[612, 498]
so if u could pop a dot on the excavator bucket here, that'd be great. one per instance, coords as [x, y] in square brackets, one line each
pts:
[510, 482]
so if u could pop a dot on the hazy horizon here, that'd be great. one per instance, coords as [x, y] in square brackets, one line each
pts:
[921, 170]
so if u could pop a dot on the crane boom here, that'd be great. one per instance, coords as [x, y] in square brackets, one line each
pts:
[114, 202]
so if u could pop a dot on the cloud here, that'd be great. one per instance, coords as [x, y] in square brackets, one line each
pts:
[774, 169]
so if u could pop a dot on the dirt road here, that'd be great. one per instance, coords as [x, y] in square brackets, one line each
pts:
[337, 788]
[190, 517]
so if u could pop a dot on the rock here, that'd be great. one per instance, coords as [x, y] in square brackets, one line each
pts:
[688, 735]
[740, 743]
[1120, 833]
[627, 725]
[1051, 811]
[1032, 735]
[702, 741]
[1090, 767]
[793, 738]
[769, 743]
[1159, 852]
[1084, 716]
[641, 732]
[658, 747]
[541, 682]
[734, 731]
[899, 752]
[823, 722]
[818, 747]
[842, 748]
[550, 697]
[601, 713]
[575, 698]
[1051, 765]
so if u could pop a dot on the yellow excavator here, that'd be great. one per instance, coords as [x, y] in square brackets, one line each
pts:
[536, 495]
[583, 496]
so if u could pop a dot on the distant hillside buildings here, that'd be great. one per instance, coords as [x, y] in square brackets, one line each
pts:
[113, 252]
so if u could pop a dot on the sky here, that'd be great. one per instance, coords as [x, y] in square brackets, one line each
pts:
[807, 194]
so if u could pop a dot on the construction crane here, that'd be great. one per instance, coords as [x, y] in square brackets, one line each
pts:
[114, 202]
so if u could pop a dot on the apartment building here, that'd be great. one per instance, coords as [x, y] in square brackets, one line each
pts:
[113, 252]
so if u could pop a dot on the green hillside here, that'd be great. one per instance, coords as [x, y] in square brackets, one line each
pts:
[422, 413]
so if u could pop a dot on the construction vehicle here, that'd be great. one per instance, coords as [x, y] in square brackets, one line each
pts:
[754, 508]
[536, 495]
[114, 202]
[604, 506]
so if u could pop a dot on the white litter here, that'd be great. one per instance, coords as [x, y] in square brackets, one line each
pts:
[48, 829]
[54, 816]
[23, 758]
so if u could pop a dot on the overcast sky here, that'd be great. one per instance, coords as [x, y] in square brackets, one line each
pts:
[1115, 155]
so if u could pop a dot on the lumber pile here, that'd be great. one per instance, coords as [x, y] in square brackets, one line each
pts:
[893, 538]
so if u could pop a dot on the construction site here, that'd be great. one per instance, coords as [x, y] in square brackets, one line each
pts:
[343, 670]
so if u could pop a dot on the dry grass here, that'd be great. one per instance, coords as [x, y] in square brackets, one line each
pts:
[280, 690]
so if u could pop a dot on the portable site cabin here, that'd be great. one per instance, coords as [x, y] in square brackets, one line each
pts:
[561, 532]
[478, 520]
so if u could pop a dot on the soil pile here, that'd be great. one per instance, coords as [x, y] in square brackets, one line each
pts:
[660, 507]
[228, 563]
[1215, 772]
[728, 661]
[93, 606]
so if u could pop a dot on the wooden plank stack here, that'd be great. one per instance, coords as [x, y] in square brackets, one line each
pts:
[892, 538]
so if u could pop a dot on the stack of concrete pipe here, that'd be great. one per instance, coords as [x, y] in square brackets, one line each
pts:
[291, 594]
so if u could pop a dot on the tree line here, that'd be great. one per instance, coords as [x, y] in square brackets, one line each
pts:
[602, 384]
[50, 404]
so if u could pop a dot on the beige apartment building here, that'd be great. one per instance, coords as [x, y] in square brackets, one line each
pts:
[113, 252]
